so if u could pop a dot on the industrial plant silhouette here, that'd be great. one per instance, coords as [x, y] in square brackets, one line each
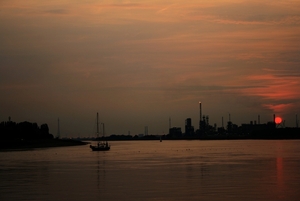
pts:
[11, 131]
[252, 130]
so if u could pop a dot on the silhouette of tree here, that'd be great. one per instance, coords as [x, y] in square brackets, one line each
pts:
[23, 130]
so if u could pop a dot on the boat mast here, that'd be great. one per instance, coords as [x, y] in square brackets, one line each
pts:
[103, 130]
[97, 127]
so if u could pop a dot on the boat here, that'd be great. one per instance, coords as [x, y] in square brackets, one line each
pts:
[100, 146]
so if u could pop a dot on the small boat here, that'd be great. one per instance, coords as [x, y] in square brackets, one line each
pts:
[100, 146]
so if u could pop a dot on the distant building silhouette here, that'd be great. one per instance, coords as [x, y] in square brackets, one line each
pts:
[189, 129]
[175, 132]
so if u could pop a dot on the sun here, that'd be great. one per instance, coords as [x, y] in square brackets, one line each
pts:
[278, 120]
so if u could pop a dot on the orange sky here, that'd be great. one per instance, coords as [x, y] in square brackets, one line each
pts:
[138, 63]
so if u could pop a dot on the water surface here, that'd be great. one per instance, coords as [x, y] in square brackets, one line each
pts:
[153, 170]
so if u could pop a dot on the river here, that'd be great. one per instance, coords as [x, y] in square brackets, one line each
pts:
[152, 170]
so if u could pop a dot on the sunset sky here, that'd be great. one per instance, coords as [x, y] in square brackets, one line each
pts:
[138, 63]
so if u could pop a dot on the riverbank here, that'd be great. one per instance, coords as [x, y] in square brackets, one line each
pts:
[32, 144]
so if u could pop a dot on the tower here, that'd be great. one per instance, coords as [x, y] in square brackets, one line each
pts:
[200, 117]
[207, 120]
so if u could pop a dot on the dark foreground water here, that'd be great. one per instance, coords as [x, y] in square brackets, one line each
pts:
[153, 170]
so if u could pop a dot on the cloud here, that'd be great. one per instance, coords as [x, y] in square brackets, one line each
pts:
[58, 11]
[280, 92]
[279, 108]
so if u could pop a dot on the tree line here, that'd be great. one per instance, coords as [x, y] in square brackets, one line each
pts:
[23, 131]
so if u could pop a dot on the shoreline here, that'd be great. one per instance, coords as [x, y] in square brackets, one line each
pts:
[14, 145]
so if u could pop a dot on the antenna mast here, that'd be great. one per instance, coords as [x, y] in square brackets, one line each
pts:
[97, 125]
[104, 129]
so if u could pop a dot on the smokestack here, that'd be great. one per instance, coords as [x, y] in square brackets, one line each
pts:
[274, 116]
[200, 109]
[258, 119]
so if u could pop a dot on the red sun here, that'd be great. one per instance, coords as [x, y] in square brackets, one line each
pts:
[278, 120]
